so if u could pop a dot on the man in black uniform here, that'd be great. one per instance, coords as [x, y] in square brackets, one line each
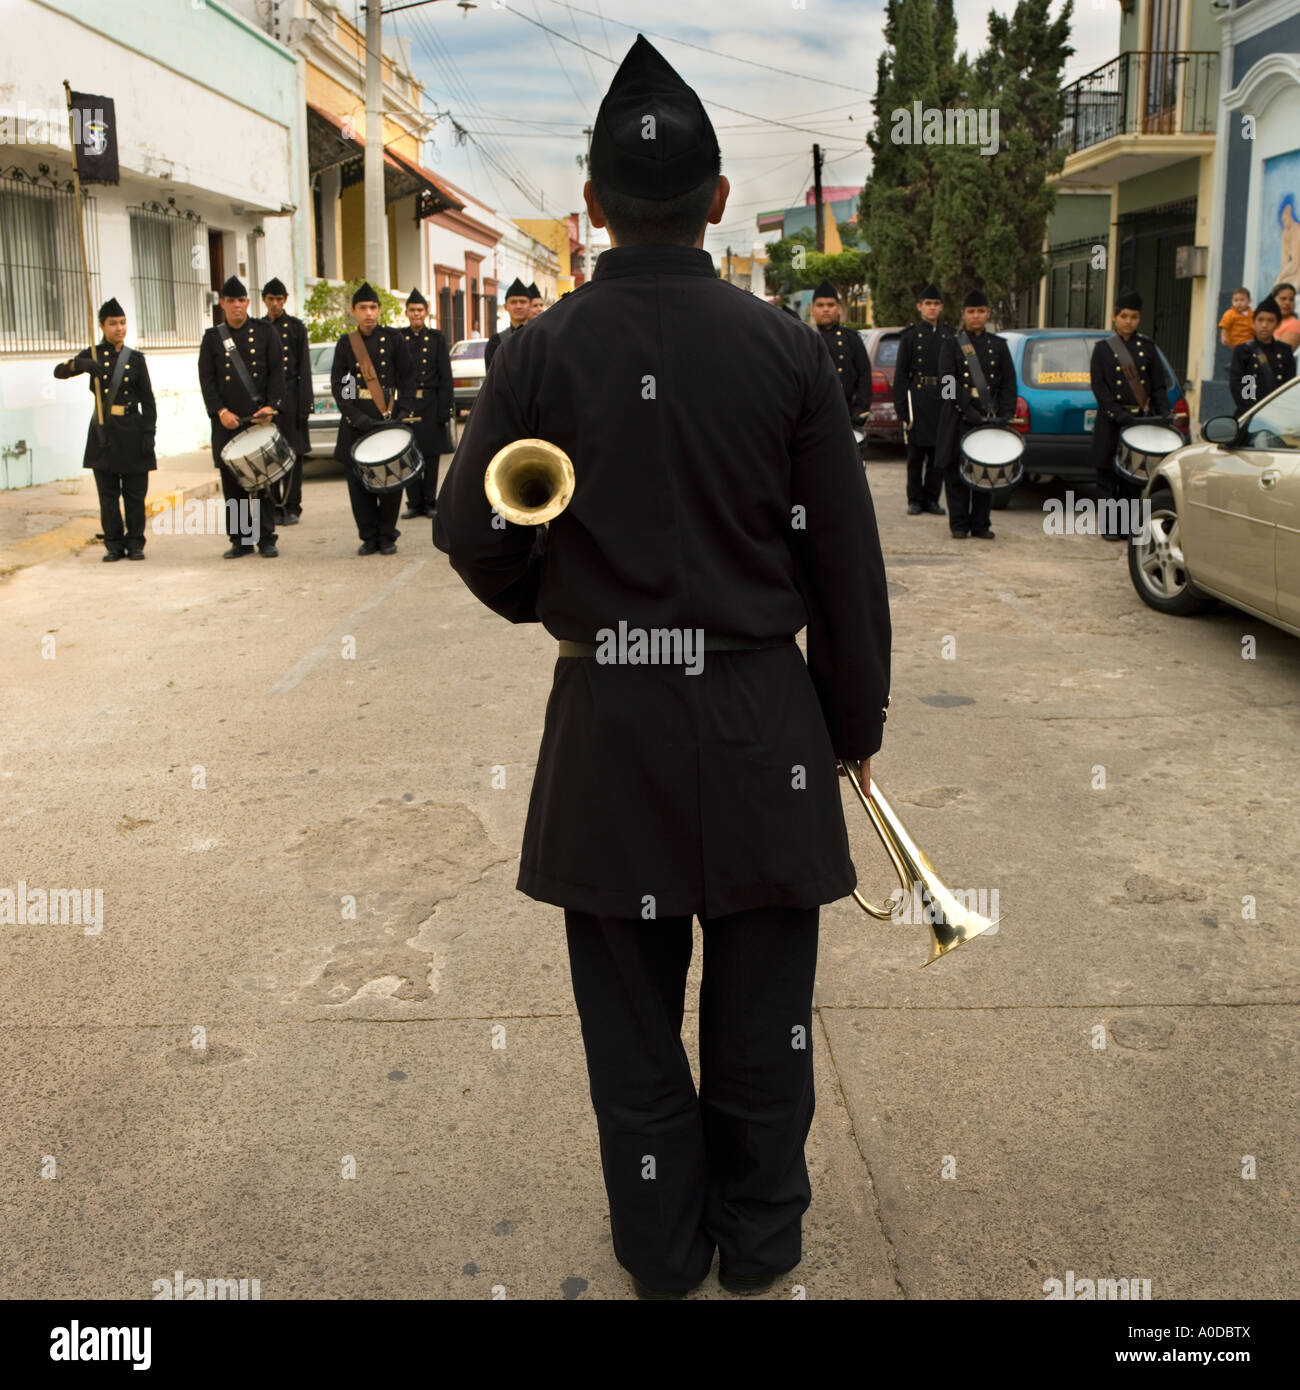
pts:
[1128, 381]
[719, 494]
[848, 352]
[297, 393]
[120, 441]
[427, 349]
[977, 384]
[1262, 363]
[241, 374]
[918, 402]
[373, 381]
[535, 301]
[519, 308]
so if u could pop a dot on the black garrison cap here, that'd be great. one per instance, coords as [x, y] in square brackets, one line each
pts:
[275, 286]
[653, 138]
[234, 288]
[517, 288]
[415, 297]
[826, 291]
[533, 291]
[930, 291]
[976, 299]
[364, 295]
[1131, 300]
[111, 309]
[1265, 306]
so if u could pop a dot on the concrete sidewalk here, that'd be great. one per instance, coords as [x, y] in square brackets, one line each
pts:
[50, 519]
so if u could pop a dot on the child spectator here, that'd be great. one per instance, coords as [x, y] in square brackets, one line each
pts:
[1236, 325]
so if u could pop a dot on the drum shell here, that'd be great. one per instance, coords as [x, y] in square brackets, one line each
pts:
[1136, 464]
[257, 469]
[390, 474]
[980, 476]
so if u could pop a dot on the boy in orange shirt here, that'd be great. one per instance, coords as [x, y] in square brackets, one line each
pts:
[1236, 325]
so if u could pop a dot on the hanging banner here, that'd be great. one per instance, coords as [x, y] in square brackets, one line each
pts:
[94, 138]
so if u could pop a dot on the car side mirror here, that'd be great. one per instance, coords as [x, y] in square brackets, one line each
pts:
[1221, 429]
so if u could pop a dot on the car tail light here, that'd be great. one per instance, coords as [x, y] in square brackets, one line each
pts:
[462, 381]
[879, 386]
[1182, 418]
[1020, 421]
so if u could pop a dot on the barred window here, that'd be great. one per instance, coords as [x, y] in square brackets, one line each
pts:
[169, 259]
[42, 289]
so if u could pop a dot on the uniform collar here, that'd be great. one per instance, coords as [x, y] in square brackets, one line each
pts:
[654, 260]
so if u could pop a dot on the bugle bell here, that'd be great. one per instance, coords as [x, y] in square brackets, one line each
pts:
[954, 923]
[529, 482]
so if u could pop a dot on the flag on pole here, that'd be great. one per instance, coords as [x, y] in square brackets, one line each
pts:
[94, 138]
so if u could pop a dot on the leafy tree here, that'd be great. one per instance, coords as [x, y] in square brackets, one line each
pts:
[782, 274]
[327, 311]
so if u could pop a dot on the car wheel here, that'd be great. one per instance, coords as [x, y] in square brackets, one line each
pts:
[1157, 567]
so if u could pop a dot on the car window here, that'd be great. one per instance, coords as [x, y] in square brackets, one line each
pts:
[1059, 364]
[471, 347]
[322, 358]
[886, 352]
[1275, 425]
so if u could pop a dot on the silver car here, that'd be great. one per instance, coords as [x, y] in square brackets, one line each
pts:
[1225, 518]
[323, 422]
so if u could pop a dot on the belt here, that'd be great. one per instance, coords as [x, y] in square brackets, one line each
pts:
[118, 409]
[419, 395]
[925, 381]
[711, 644]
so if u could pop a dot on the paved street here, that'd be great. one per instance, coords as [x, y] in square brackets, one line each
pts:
[312, 955]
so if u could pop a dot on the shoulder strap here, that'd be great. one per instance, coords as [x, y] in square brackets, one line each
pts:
[976, 371]
[368, 370]
[1265, 368]
[233, 355]
[115, 384]
[1129, 367]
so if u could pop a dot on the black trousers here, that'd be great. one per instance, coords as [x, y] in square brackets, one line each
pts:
[130, 490]
[969, 509]
[685, 1173]
[293, 490]
[422, 490]
[375, 513]
[924, 476]
[260, 520]
[1112, 486]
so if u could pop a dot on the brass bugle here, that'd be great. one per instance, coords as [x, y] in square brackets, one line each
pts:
[529, 482]
[956, 924]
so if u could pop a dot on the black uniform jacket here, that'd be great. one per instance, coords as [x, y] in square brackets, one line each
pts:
[298, 397]
[259, 346]
[963, 412]
[495, 341]
[917, 371]
[1117, 407]
[132, 420]
[392, 363]
[1248, 380]
[853, 366]
[427, 350]
[718, 487]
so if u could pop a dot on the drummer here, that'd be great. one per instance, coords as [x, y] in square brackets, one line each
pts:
[977, 382]
[241, 375]
[1262, 363]
[1128, 380]
[373, 380]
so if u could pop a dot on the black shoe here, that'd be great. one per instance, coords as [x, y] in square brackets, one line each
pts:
[983, 534]
[1115, 536]
[914, 509]
[961, 535]
[288, 519]
[368, 548]
[112, 555]
[934, 509]
[745, 1284]
[268, 549]
[644, 1291]
[388, 548]
[135, 554]
[237, 551]
[413, 511]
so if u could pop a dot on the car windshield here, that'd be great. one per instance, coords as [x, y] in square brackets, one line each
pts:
[1277, 424]
[886, 353]
[471, 347]
[322, 358]
[1064, 363]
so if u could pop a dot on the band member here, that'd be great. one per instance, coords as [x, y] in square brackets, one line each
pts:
[298, 396]
[535, 301]
[1262, 363]
[427, 349]
[703, 786]
[241, 374]
[120, 440]
[978, 387]
[373, 381]
[519, 308]
[919, 403]
[848, 352]
[1128, 381]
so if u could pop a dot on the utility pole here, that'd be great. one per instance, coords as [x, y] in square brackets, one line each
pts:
[817, 194]
[376, 222]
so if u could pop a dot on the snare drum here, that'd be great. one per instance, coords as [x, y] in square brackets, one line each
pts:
[258, 456]
[992, 458]
[387, 458]
[1141, 447]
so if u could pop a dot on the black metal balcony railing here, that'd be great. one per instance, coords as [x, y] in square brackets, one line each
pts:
[1142, 93]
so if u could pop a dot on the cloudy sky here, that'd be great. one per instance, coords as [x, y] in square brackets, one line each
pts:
[523, 78]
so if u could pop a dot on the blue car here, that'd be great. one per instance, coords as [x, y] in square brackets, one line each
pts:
[1055, 406]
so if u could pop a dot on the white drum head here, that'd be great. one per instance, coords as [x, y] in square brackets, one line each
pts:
[382, 445]
[992, 446]
[249, 441]
[1151, 439]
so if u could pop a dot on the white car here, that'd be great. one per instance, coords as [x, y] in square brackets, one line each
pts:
[323, 422]
[467, 370]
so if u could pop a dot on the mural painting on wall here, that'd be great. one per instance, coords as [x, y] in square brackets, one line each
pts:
[1279, 242]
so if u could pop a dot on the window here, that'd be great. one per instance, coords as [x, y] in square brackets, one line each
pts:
[1059, 364]
[1275, 425]
[42, 288]
[886, 353]
[169, 265]
[470, 347]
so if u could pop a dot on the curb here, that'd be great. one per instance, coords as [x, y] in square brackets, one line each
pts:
[78, 532]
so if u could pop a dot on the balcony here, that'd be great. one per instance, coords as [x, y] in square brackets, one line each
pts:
[1137, 113]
